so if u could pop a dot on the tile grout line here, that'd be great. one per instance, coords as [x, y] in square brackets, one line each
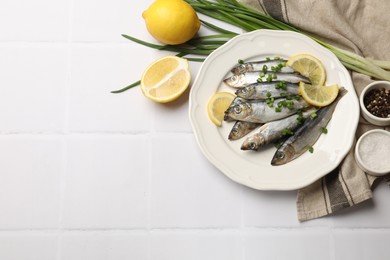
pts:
[242, 225]
[149, 188]
[66, 132]
[332, 245]
[149, 197]
[188, 230]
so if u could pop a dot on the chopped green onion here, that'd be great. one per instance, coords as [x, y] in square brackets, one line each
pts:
[287, 131]
[278, 145]
[324, 130]
[311, 149]
[240, 61]
[290, 105]
[313, 115]
[270, 102]
[269, 77]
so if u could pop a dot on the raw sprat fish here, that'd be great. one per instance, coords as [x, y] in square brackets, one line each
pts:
[241, 129]
[246, 78]
[307, 134]
[263, 111]
[265, 90]
[275, 65]
[276, 130]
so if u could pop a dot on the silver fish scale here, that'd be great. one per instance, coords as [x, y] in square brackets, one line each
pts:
[244, 79]
[261, 112]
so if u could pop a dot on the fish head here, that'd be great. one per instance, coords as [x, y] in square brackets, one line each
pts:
[235, 132]
[238, 111]
[235, 80]
[284, 155]
[246, 92]
[241, 68]
[253, 143]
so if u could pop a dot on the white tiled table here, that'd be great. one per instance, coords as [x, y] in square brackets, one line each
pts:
[89, 175]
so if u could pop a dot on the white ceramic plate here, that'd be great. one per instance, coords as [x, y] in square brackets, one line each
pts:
[254, 169]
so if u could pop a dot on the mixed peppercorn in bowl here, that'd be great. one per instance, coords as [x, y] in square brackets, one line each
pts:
[375, 103]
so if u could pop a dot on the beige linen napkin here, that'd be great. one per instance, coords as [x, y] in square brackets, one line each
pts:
[360, 26]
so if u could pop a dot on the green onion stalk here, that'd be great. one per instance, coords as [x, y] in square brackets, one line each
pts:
[249, 19]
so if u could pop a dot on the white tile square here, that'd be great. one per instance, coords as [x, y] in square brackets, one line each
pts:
[192, 245]
[374, 213]
[106, 182]
[273, 209]
[187, 191]
[33, 93]
[30, 173]
[361, 244]
[173, 116]
[28, 246]
[292, 244]
[38, 20]
[97, 70]
[104, 246]
[107, 20]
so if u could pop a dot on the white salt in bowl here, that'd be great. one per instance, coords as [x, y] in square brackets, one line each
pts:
[380, 121]
[372, 152]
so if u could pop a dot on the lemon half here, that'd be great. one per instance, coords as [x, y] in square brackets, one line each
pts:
[166, 79]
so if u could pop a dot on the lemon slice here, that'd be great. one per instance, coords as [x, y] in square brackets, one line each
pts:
[308, 66]
[166, 79]
[217, 106]
[319, 96]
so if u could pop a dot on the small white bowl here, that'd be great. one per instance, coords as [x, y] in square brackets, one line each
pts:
[375, 120]
[372, 152]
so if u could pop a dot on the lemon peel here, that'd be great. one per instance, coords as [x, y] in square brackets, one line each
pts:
[171, 21]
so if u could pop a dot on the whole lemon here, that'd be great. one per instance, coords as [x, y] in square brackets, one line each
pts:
[171, 21]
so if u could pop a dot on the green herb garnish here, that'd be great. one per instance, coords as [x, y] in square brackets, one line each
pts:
[287, 131]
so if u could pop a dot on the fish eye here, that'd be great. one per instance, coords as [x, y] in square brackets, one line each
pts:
[279, 155]
[234, 77]
[253, 146]
[235, 131]
[244, 90]
[237, 109]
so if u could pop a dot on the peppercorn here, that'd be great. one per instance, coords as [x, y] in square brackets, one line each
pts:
[377, 102]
